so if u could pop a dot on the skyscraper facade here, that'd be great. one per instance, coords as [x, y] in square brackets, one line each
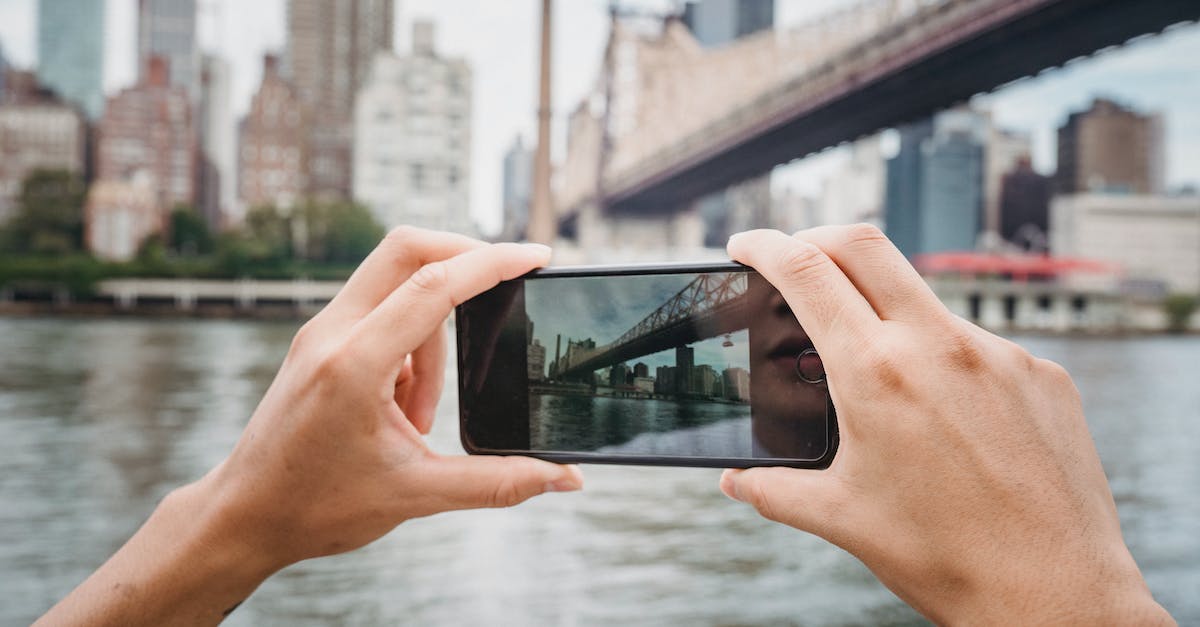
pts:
[167, 29]
[1025, 207]
[217, 194]
[517, 186]
[1110, 148]
[412, 149]
[330, 47]
[935, 184]
[71, 51]
[272, 157]
[148, 129]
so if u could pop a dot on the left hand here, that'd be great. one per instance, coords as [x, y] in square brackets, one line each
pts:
[333, 457]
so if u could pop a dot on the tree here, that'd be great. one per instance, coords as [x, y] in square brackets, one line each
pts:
[189, 232]
[1179, 309]
[49, 218]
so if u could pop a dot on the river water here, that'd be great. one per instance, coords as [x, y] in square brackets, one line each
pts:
[100, 418]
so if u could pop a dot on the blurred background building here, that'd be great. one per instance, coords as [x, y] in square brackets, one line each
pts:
[167, 29]
[330, 48]
[37, 131]
[273, 159]
[71, 52]
[412, 131]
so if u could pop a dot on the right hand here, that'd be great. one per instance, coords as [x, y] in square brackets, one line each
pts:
[966, 478]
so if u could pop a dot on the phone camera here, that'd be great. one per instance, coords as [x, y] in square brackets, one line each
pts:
[809, 367]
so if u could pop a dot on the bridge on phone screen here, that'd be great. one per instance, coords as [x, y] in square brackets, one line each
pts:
[711, 305]
[698, 121]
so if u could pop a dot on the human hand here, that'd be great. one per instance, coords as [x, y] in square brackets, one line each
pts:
[966, 478]
[333, 457]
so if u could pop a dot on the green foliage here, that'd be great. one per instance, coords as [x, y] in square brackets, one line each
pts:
[189, 232]
[49, 218]
[1179, 309]
[318, 241]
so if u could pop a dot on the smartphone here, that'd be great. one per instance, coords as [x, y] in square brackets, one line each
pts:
[681, 365]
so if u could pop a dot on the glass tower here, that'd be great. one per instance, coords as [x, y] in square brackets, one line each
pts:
[71, 51]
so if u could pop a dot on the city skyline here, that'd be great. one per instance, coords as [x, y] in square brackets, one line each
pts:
[500, 44]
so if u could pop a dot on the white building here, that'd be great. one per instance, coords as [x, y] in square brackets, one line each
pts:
[218, 145]
[412, 129]
[854, 192]
[1153, 238]
[119, 215]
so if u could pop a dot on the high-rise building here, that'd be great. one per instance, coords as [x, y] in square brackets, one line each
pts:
[935, 184]
[517, 188]
[736, 382]
[272, 153]
[641, 370]
[664, 380]
[1110, 148]
[1005, 149]
[217, 182]
[148, 127]
[1025, 207]
[718, 22]
[412, 124]
[685, 359]
[536, 360]
[71, 51]
[37, 130]
[704, 381]
[618, 374]
[167, 29]
[330, 48]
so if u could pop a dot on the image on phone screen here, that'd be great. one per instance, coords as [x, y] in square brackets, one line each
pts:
[665, 365]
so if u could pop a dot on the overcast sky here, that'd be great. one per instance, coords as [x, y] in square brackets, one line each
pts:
[500, 41]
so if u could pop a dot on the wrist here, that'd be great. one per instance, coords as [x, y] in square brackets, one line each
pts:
[1108, 589]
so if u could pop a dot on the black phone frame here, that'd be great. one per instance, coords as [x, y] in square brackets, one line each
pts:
[575, 457]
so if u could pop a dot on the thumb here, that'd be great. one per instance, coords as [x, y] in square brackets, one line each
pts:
[804, 499]
[469, 482]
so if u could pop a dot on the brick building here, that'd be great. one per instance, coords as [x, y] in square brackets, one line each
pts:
[37, 130]
[148, 128]
[272, 159]
[1110, 149]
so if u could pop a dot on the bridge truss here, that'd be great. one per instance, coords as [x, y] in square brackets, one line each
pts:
[705, 293]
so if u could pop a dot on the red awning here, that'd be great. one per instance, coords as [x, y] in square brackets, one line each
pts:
[1018, 266]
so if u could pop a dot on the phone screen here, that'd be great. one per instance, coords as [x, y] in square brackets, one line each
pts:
[657, 366]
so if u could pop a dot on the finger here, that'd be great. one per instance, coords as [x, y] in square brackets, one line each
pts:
[428, 372]
[401, 253]
[878, 269]
[414, 310]
[804, 499]
[469, 482]
[825, 302]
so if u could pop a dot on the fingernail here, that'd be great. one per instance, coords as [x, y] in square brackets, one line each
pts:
[729, 485]
[563, 485]
[733, 238]
[542, 249]
[570, 482]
